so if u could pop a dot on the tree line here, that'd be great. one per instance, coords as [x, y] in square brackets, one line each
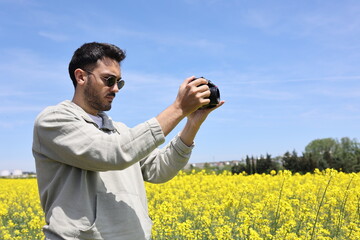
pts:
[342, 155]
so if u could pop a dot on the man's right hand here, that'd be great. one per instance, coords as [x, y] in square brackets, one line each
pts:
[193, 93]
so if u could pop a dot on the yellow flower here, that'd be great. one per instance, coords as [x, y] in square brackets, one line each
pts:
[201, 205]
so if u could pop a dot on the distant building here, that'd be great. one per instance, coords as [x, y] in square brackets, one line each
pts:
[17, 172]
[5, 173]
[220, 164]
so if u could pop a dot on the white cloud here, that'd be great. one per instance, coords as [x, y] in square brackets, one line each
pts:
[159, 88]
[13, 124]
[259, 19]
[352, 108]
[13, 93]
[338, 92]
[324, 115]
[272, 95]
[20, 109]
[330, 21]
[186, 42]
[320, 22]
[161, 38]
[57, 37]
[257, 79]
[26, 65]
[150, 78]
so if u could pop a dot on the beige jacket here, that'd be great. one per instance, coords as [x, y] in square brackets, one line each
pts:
[91, 180]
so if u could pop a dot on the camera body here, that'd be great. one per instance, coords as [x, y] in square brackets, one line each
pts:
[214, 95]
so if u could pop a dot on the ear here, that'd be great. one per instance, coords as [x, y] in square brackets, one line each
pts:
[80, 76]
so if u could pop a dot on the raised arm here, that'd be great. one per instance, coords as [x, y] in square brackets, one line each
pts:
[193, 124]
[163, 164]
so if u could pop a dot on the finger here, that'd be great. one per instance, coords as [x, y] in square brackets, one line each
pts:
[203, 89]
[216, 107]
[204, 101]
[219, 105]
[189, 79]
[198, 81]
[204, 94]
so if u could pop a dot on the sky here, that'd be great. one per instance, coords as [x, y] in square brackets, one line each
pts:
[289, 71]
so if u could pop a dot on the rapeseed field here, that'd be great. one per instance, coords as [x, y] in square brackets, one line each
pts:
[200, 205]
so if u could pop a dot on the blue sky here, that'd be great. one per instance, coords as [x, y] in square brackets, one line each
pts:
[289, 71]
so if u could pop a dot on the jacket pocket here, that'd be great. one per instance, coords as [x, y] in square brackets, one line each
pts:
[119, 216]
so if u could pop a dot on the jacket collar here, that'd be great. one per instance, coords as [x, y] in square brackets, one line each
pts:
[107, 121]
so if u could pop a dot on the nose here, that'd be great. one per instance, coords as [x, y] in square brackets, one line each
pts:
[115, 88]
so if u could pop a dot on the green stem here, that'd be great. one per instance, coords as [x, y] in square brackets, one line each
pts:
[342, 207]
[318, 211]
[277, 214]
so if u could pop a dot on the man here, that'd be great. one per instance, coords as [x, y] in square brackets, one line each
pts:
[90, 169]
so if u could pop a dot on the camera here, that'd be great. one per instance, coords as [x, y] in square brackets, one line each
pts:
[214, 95]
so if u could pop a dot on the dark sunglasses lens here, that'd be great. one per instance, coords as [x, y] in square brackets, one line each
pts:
[120, 84]
[110, 81]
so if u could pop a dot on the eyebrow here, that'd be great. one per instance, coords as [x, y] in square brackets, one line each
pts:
[107, 75]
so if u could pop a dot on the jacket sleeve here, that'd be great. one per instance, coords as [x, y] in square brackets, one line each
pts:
[163, 164]
[67, 138]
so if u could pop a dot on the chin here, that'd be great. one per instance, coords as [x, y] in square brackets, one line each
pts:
[106, 108]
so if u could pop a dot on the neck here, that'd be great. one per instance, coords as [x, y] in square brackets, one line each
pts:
[78, 101]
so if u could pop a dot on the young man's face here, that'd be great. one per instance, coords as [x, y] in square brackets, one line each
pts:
[98, 95]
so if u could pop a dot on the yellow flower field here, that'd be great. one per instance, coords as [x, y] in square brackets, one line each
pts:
[324, 205]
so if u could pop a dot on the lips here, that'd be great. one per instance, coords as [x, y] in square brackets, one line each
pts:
[110, 96]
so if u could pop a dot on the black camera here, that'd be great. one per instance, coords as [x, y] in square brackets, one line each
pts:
[214, 95]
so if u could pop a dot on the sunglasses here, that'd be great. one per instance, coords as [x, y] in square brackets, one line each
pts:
[111, 80]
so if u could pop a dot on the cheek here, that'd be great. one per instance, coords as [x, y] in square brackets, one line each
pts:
[91, 90]
[104, 91]
[96, 89]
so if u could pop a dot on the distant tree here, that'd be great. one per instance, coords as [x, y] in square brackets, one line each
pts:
[319, 148]
[342, 155]
[306, 163]
[329, 159]
[238, 168]
[290, 161]
[249, 168]
[261, 165]
[277, 163]
[265, 164]
[286, 162]
[346, 155]
[253, 165]
[309, 163]
[357, 166]
[272, 163]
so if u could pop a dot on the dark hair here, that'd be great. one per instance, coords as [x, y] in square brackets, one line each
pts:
[88, 54]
